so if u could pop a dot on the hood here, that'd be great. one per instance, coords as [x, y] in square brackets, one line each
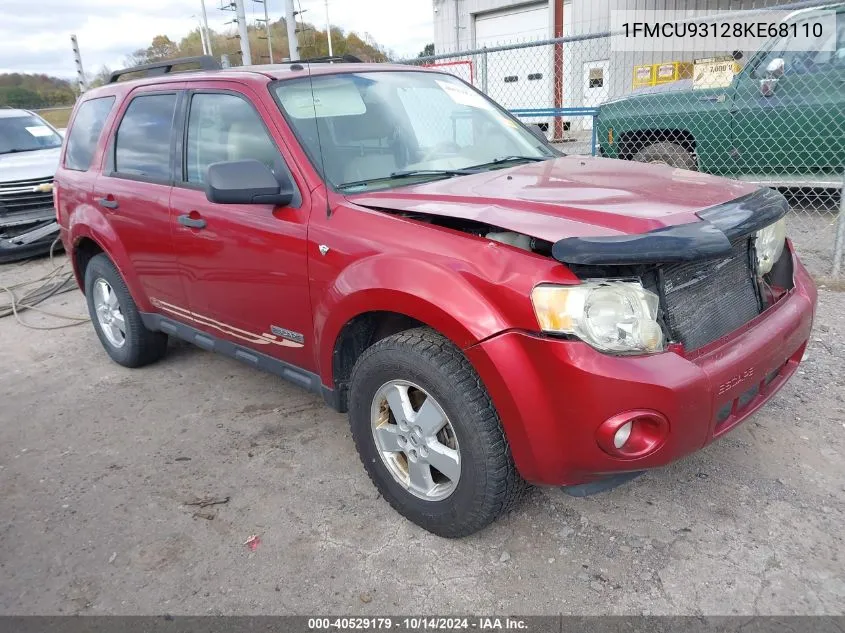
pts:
[40, 163]
[572, 196]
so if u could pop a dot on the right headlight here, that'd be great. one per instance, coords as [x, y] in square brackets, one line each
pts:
[769, 245]
[612, 316]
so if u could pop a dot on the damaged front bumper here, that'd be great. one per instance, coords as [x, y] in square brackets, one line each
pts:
[21, 238]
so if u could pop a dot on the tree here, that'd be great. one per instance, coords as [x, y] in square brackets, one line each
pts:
[428, 51]
[101, 78]
[162, 48]
[20, 97]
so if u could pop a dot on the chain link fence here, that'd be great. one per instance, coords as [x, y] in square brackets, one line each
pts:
[773, 116]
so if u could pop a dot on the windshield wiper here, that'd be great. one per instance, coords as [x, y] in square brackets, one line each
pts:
[15, 150]
[513, 159]
[396, 175]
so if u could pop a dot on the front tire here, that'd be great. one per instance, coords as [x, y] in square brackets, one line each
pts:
[116, 318]
[429, 436]
[667, 153]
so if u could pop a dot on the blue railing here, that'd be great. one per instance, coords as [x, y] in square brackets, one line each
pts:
[535, 112]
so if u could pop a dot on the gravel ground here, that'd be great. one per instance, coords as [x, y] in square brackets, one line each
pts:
[96, 462]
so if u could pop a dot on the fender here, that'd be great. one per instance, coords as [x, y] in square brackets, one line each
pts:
[379, 283]
[88, 221]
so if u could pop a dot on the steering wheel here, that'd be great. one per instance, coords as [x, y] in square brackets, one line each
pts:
[448, 147]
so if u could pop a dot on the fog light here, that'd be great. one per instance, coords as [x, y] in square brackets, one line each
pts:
[621, 436]
[633, 434]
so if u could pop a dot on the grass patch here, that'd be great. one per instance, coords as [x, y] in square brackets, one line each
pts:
[57, 117]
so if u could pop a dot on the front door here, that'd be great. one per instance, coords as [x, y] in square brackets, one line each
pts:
[243, 265]
[796, 127]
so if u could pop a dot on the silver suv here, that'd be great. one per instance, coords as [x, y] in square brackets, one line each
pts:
[29, 155]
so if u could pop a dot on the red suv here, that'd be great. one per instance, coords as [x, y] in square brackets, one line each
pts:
[487, 310]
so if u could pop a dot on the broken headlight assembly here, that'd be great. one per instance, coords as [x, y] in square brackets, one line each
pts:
[769, 245]
[618, 317]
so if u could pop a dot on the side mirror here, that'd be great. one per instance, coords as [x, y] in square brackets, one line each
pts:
[775, 68]
[537, 131]
[246, 182]
[774, 71]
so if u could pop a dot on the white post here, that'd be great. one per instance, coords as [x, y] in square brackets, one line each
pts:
[839, 242]
[205, 28]
[202, 40]
[77, 58]
[246, 56]
[290, 18]
[267, 25]
[329, 29]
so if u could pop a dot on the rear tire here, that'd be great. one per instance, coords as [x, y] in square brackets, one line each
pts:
[116, 318]
[479, 482]
[667, 153]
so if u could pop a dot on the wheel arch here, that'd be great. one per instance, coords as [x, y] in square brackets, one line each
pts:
[90, 234]
[440, 299]
[633, 141]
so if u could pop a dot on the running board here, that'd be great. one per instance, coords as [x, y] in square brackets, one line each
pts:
[211, 343]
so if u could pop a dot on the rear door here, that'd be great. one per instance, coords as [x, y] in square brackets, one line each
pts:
[244, 270]
[133, 191]
[75, 177]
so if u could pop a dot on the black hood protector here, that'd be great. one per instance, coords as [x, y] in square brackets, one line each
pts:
[697, 241]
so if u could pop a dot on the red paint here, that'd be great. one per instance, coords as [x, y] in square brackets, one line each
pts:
[255, 266]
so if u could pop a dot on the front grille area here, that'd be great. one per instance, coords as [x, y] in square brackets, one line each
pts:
[20, 196]
[703, 301]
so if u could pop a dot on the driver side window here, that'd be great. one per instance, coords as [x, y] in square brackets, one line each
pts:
[822, 59]
[224, 127]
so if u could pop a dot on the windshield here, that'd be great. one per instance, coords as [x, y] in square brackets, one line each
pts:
[366, 131]
[25, 134]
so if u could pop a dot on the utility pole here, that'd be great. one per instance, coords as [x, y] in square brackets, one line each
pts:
[205, 28]
[77, 58]
[202, 38]
[290, 20]
[243, 32]
[266, 21]
[329, 29]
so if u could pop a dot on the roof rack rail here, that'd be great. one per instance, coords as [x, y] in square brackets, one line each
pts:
[348, 59]
[205, 62]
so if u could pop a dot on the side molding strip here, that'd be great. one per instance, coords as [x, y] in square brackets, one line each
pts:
[291, 373]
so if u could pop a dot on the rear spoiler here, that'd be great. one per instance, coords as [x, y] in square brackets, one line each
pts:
[708, 239]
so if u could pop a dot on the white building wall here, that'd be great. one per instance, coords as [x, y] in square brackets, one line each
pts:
[581, 17]
[449, 39]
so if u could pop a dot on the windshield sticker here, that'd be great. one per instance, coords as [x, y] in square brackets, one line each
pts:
[328, 99]
[464, 96]
[40, 130]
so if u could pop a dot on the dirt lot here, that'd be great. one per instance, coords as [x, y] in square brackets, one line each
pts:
[96, 462]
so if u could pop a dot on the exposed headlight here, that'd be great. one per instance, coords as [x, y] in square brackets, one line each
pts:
[769, 245]
[612, 316]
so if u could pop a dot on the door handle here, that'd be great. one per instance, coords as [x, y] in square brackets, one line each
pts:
[108, 202]
[193, 223]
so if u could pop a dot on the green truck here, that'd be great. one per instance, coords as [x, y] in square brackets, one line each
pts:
[780, 122]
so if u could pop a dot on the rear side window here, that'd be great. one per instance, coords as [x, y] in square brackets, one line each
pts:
[142, 145]
[85, 133]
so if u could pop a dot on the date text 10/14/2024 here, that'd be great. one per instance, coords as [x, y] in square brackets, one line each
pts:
[418, 623]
